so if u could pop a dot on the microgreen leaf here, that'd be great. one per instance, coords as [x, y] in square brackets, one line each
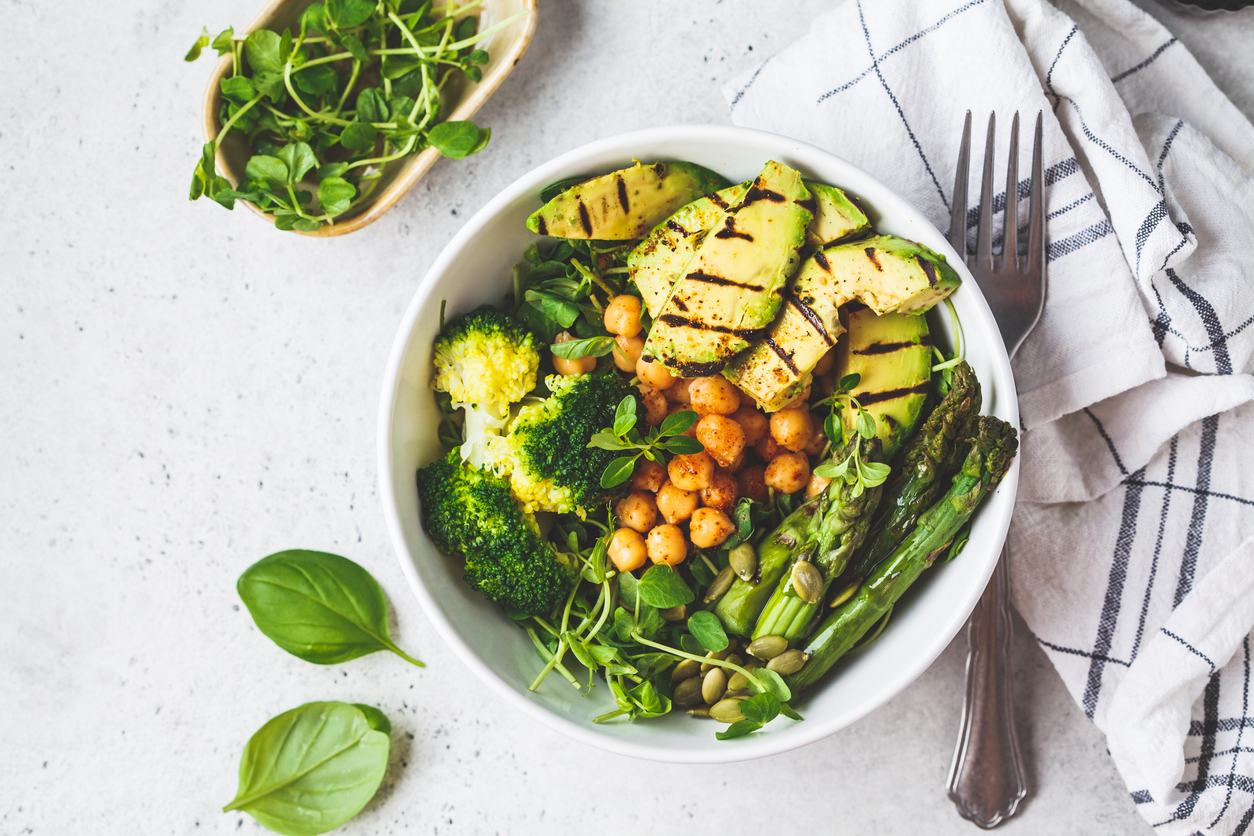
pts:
[298, 158]
[237, 88]
[315, 17]
[576, 349]
[678, 423]
[682, 445]
[358, 136]
[263, 49]
[834, 429]
[316, 80]
[788, 711]
[608, 441]
[873, 473]
[224, 42]
[345, 14]
[865, 424]
[625, 416]
[458, 139]
[742, 517]
[618, 471]
[761, 708]
[688, 644]
[707, 629]
[662, 587]
[201, 43]
[355, 47]
[335, 194]
[771, 682]
[848, 382]
[371, 106]
[268, 170]
[740, 728]
[832, 469]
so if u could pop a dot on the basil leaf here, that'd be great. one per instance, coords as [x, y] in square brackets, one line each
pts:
[618, 471]
[625, 416]
[575, 349]
[321, 607]
[761, 708]
[682, 445]
[376, 718]
[678, 423]
[738, 729]
[311, 769]
[707, 629]
[662, 587]
[456, 140]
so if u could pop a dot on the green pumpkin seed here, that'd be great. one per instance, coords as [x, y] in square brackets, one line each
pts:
[844, 595]
[688, 693]
[807, 581]
[720, 655]
[674, 613]
[713, 686]
[768, 647]
[700, 711]
[737, 682]
[686, 669]
[788, 662]
[739, 692]
[719, 586]
[744, 561]
[727, 710]
[733, 659]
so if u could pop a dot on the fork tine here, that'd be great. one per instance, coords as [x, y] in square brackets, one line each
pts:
[1036, 214]
[984, 235]
[1010, 240]
[958, 217]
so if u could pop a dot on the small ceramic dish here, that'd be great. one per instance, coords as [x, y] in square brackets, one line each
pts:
[505, 47]
[475, 268]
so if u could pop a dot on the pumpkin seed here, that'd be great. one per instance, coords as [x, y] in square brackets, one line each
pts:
[700, 711]
[719, 586]
[674, 613]
[688, 692]
[739, 692]
[733, 659]
[768, 647]
[727, 710]
[844, 595]
[720, 655]
[686, 669]
[788, 662]
[744, 561]
[713, 686]
[807, 581]
[737, 682]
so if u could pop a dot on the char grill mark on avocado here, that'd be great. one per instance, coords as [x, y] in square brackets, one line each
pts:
[805, 310]
[729, 231]
[717, 200]
[708, 278]
[822, 261]
[757, 192]
[676, 228]
[870, 253]
[622, 194]
[876, 397]
[889, 348]
[585, 220]
[687, 369]
[679, 303]
[784, 356]
[541, 226]
[810, 204]
[748, 334]
[928, 268]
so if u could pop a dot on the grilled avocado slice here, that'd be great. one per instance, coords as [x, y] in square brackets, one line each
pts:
[660, 258]
[729, 292]
[892, 355]
[885, 273]
[624, 204]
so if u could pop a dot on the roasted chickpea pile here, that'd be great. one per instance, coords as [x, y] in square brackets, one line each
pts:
[689, 503]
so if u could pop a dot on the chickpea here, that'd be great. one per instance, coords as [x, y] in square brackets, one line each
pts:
[627, 550]
[754, 423]
[637, 511]
[622, 316]
[714, 394]
[583, 365]
[654, 405]
[691, 472]
[739, 462]
[679, 393]
[767, 448]
[627, 352]
[709, 527]
[825, 364]
[654, 374]
[816, 485]
[751, 482]
[667, 545]
[787, 472]
[818, 440]
[792, 429]
[800, 400]
[648, 476]
[722, 493]
[691, 432]
[676, 504]
[722, 438]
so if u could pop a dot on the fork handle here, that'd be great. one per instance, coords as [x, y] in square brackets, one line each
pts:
[986, 780]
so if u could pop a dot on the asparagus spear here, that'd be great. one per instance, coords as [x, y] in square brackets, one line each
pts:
[990, 453]
[808, 531]
[927, 462]
[841, 531]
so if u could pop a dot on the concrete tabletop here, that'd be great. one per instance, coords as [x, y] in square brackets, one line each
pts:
[185, 390]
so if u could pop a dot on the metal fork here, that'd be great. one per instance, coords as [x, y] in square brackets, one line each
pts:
[986, 779]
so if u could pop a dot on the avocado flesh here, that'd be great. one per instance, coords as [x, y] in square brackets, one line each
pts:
[835, 216]
[624, 204]
[885, 273]
[892, 355]
[729, 292]
[662, 256]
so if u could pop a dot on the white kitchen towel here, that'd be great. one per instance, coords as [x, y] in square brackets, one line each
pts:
[1132, 557]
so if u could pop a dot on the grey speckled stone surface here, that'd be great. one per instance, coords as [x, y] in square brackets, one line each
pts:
[186, 390]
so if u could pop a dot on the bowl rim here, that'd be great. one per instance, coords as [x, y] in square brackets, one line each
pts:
[413, 167]
[755, 746]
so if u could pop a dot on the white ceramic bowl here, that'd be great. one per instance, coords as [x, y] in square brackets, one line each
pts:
[475, 268]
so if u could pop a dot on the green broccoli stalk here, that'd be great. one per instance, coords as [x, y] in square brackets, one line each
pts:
[470, 511]
[546, 453]
[485, 360]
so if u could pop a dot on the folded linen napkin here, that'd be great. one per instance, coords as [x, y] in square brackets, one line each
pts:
[1132, 558]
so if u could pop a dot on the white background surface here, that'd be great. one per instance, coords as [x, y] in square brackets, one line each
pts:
[184, 390]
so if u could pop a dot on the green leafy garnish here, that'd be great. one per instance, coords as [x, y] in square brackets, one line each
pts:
[708, 630]
[855, 472]
[623, 436]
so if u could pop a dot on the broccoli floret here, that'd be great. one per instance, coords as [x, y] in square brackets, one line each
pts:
[485, 360]
[546, 453]
[471, 512]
